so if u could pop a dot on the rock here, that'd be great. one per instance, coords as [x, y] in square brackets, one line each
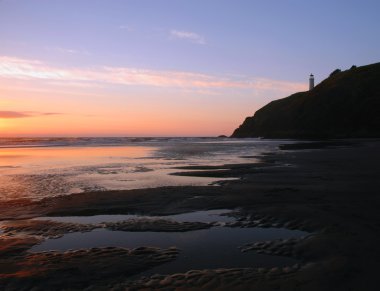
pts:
[342, 106]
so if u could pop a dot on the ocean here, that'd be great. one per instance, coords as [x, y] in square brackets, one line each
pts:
[35, 168]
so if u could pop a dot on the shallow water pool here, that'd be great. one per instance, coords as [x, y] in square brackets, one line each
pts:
[200, 216]
[217, 247]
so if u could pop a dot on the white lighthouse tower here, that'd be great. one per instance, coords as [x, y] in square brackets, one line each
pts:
[311, 82]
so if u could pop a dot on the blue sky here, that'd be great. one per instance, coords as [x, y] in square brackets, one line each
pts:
[197, 53]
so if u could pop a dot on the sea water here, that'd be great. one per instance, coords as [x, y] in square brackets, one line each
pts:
[35, 168]
[216, 247]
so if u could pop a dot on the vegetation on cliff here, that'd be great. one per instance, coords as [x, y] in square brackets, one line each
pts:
[346, 104]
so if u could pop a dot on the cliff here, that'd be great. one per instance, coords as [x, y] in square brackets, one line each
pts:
[345, 105]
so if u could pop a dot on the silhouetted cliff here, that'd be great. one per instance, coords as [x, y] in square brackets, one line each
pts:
[347, 104]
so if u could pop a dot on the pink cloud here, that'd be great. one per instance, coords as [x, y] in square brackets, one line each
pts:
[22, 114]
[34, 69]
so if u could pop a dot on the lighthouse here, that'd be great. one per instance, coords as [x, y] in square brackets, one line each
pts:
[311, 82]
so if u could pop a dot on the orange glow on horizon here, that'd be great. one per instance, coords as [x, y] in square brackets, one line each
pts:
[42, 100]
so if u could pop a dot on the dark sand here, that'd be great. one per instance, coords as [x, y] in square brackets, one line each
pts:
[332, 192]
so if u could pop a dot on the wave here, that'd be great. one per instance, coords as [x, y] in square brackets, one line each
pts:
[22, 142]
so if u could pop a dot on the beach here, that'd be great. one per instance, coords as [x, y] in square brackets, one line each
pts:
[189, 145]
[327, 191]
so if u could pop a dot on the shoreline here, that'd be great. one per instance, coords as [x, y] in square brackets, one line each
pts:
[332, 192]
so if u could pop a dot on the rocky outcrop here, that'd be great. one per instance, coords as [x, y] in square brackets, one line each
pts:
[345, 105]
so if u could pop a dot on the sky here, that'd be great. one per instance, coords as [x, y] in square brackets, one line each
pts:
[168, 67]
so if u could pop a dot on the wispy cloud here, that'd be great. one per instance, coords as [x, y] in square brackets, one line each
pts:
[12, 114]
[126, 27]
[23, 114]
[187, 35]
[67, 51]
[34, 69]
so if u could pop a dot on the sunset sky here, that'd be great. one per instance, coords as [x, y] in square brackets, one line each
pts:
[168, 67]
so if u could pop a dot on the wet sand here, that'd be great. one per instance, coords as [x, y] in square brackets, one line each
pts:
[331, 191]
